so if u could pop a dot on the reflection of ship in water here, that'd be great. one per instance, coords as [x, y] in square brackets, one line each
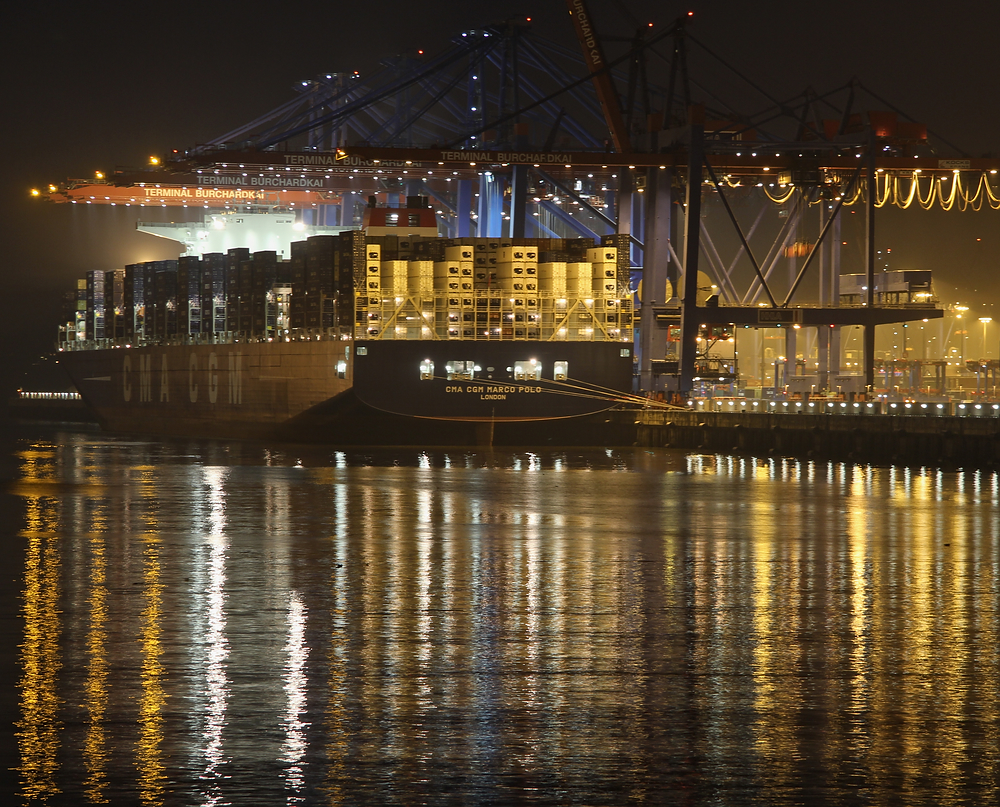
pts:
[361, 337]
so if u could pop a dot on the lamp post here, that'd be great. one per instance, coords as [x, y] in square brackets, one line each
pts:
[985, 365]
[961, 309]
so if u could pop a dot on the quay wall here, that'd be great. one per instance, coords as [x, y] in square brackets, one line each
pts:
[910, 440]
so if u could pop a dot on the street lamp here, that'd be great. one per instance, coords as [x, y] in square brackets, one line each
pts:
[961, 309]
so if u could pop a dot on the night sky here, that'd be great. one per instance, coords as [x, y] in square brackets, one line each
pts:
[95, 86]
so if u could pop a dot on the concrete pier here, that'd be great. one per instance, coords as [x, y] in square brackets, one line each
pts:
[878, 439]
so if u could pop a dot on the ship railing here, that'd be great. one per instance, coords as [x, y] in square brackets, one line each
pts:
[821, 406]
[494, 315]
[217, 338]
[26, 395]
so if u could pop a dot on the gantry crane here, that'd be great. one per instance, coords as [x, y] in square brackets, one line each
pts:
[342, 137]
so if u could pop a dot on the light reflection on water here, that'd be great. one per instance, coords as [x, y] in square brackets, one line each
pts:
[212, 624]
[215, 650]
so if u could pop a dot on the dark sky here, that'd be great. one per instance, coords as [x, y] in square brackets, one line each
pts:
[94, 86]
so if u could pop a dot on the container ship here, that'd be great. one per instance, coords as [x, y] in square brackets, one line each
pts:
[366, 337]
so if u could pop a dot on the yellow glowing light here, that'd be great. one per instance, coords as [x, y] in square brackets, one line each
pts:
[99, 174]
[35, 192]
[154, 160]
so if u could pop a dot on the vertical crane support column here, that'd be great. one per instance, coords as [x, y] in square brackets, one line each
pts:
[869, 336]
[835, 296]
[791, 353]
[518, 200]
[463, 204]
[823, 331]
[692, 246]
[655, 263]
[624, 207]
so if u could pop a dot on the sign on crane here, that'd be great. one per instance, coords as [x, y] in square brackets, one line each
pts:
[593, 56]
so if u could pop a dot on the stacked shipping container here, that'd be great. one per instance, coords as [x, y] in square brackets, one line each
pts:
[352, 285]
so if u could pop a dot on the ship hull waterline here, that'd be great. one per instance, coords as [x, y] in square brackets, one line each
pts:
[324, 392]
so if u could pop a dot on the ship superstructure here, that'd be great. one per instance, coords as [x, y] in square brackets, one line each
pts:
[254, 228]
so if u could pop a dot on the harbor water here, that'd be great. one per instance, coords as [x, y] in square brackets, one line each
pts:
[245, 624]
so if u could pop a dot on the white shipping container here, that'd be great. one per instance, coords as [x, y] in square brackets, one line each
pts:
[555, 269]
[511, 254]
[511, 270]
[603, 255]
[603, 270]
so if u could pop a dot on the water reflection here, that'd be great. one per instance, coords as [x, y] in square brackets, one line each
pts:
[215, 646]
[294, 747]
[95, 748]
[39, 724]
[213, 625]
[149, 748]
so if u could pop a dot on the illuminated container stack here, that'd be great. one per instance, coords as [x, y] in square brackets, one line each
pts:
[320, 280]
[485, 259]
[379, 287]
[552, 277]
[369, 302]
[79, 329]
[420, 283]
[234, 259]
[578, 280]
[213, 293]
[161, 307]
[454, 276]
[134, 302]
[448, 276]
[189, 283]
[420, 276]
[93, 325]
[620, 324]
[264, 268]
[517, 275]
[297, 272]
[393, 276]
[114, 323]
[604, 271]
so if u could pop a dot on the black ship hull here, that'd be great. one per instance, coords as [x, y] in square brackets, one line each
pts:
[494, 381]
[357, 393]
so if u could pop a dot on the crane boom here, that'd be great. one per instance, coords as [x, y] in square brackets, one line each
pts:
[593, 55]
